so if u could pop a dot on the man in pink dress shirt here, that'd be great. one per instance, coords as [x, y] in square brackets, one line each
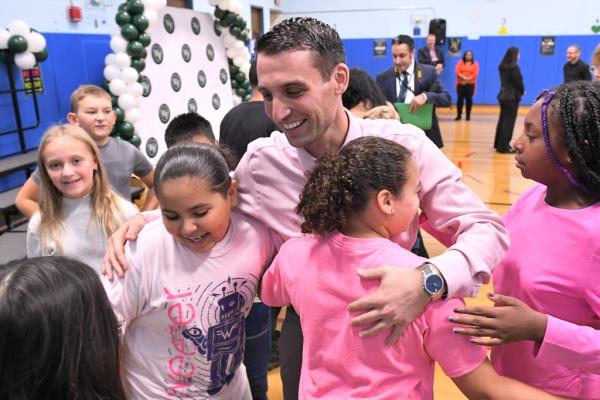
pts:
[302, 75]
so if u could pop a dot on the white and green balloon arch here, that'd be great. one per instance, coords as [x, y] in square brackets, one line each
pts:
[220, 47]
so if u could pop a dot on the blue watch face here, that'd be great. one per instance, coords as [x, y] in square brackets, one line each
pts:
[434, 283]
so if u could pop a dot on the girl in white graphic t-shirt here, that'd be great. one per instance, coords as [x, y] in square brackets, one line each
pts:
[192, 278]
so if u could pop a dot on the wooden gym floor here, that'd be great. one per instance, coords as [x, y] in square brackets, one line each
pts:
[492, 176]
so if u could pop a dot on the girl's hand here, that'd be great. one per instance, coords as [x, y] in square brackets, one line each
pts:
[509, 321]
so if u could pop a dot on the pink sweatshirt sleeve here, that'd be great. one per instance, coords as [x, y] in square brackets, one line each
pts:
[477, 237]
[574, 345]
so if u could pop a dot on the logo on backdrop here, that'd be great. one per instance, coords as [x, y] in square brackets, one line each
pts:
[201, 78]
[152, 147]
[169, 23]
[223, 75]
[164, 114]
[195, 26]
[216, 101]
[176, 82]
[157, 53]
[145, 82]
[210, 52]
[192, 106]
[186, 53]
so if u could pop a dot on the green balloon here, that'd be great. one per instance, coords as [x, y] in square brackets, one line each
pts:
[17, 44]
[240, 77]
[125, 130]
[129, 32]
[240, 92]
[139, 64]
[119, 114]
[239, 22]
[247, 97]
[41, 55]
[135, 49]
[123, 7]
[135, 140]
[244, 38]
[246, 84]
[114, 132]
[114, 100]
[135, 7]
[227, 19]
[104, 85]
[220, 13]
[234, 84]
[122, 18]
[140, 22]
[144, 39]
[235, 31]
[233, 69]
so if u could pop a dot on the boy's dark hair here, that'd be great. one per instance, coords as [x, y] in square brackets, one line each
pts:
[194, 160]
[404, 39]
[341, 185]
[310, 34]
[361, 87]
[59, 336]
[184, 126]
[578, 113]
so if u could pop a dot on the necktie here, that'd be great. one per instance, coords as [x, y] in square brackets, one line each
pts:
[403, 87]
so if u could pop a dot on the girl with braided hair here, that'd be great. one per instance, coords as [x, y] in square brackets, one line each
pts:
[353, 203]
[547, 317]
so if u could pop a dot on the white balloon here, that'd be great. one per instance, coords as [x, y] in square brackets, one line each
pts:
[238, 61]
[213, 2]
[129, 75]
[238, 45]
[35, 42]
[236, 7]
[18, 27]
[111, 73]
[109, 59]
[127, 102]
[118, 44]
[151, 15]
[236, 99]
[25, 60]
[245, 68]
[231, 53]
[228, 39]
[117, 87]
[122, 60]
[133, 115]
[225, 5]
[135, 89]
[4, 36]
[149, 4]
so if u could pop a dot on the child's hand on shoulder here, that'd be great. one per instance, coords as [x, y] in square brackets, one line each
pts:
[509, 321]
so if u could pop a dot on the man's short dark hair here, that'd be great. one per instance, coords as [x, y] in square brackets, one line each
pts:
[305, 34]
[404, 39]
[185, 126]
[252, 76]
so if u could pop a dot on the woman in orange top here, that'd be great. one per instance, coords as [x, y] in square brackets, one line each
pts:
[466, 75]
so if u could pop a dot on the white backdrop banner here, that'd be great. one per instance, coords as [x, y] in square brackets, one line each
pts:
[186, 70]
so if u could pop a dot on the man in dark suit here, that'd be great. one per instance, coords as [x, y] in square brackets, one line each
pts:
[431, 54]
[413, 83]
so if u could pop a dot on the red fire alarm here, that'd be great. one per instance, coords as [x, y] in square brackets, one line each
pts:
[74, 14]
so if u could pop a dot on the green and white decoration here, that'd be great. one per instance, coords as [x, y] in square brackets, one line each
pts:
[167, 61]
[26, 45]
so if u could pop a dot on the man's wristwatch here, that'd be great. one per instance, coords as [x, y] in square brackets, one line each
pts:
[434, 284]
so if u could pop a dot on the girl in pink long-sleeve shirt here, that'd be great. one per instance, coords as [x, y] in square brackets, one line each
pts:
[547, 317]
[354, 202]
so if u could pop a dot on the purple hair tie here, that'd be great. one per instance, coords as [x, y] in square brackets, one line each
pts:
[548, 96]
